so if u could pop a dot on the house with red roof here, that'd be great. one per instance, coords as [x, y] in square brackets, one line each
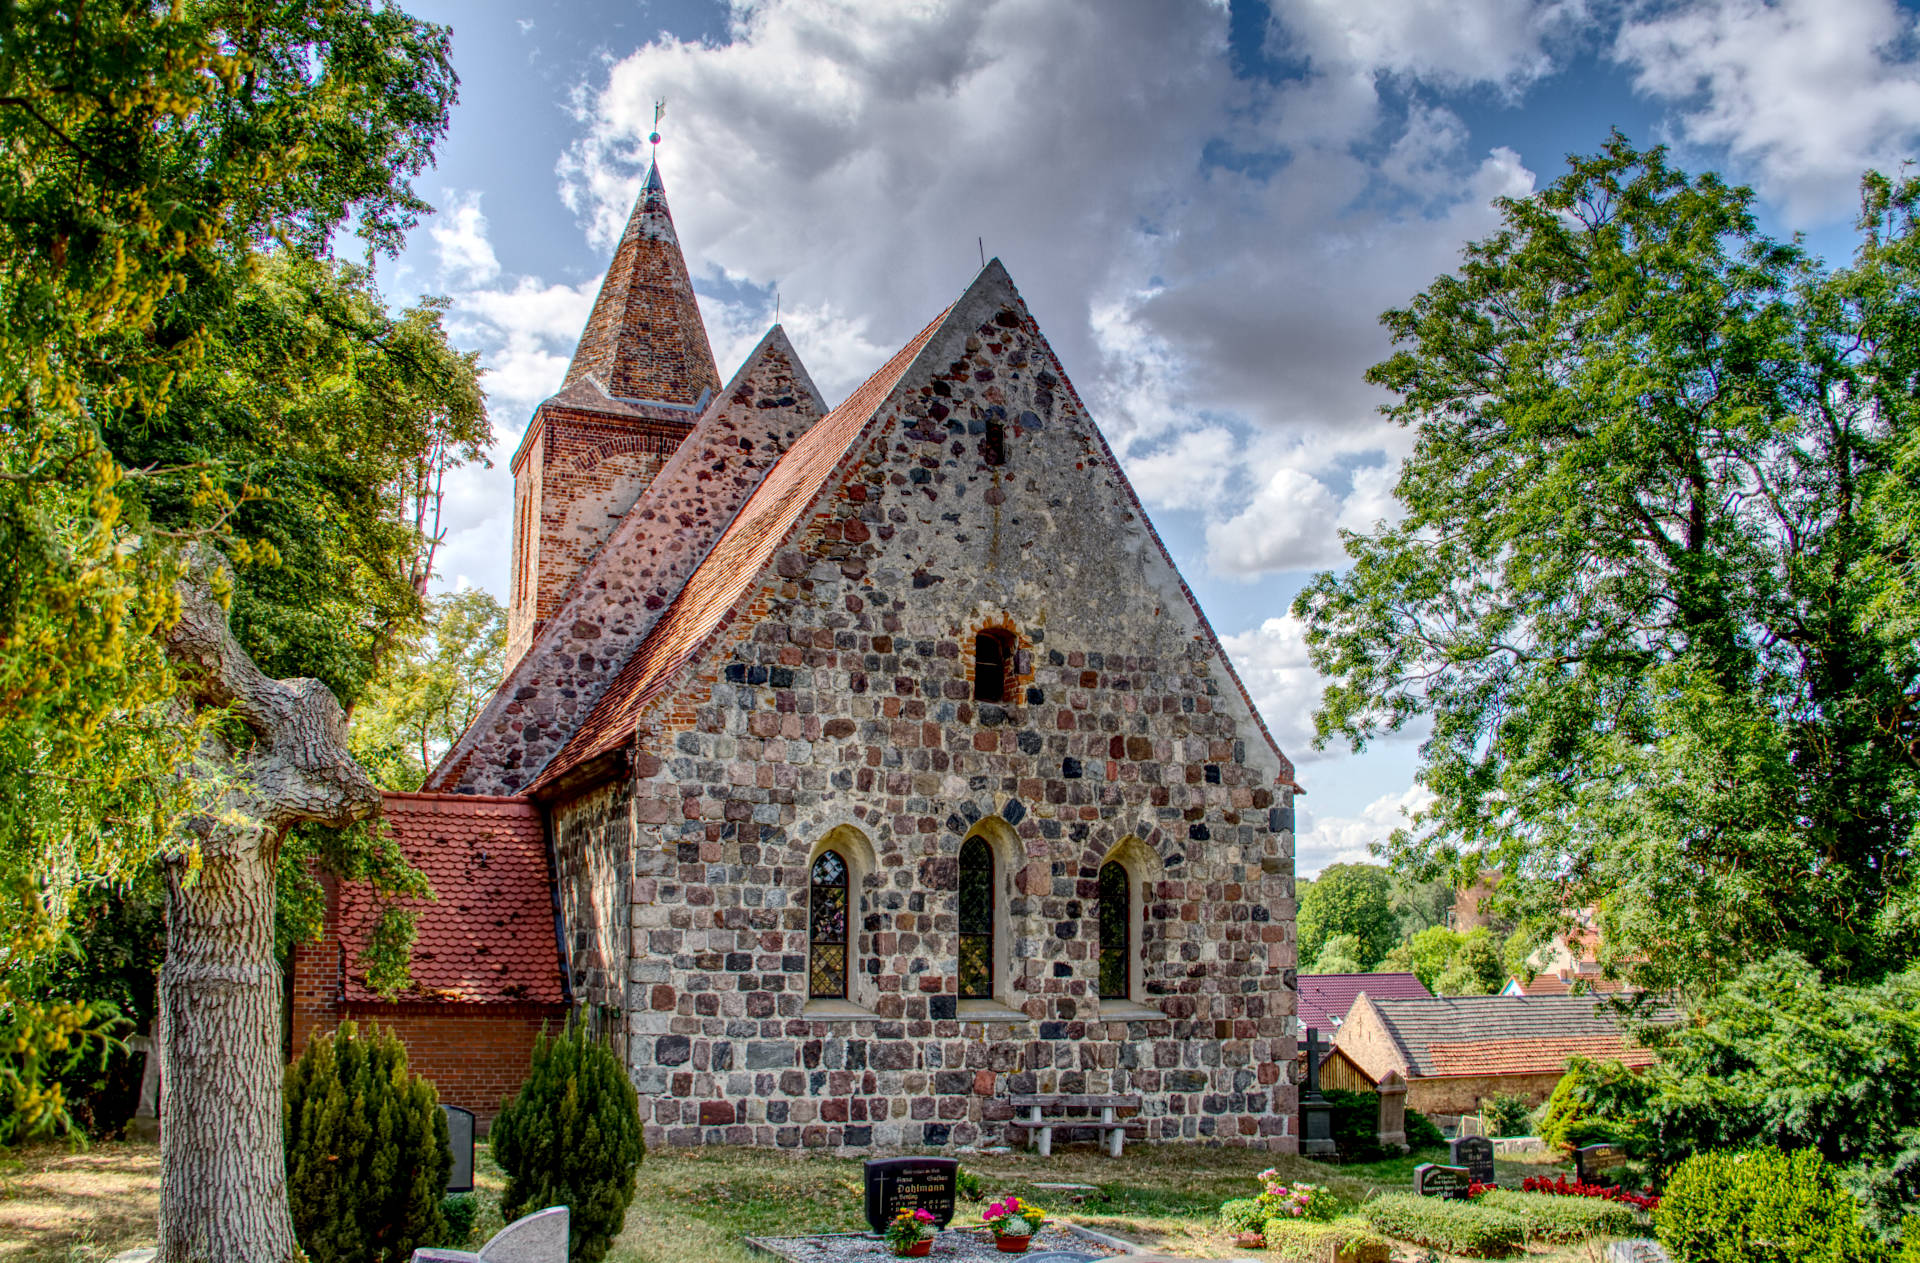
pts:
[1325, 998]
[879, 764]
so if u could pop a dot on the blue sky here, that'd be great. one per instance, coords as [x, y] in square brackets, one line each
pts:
[1206, 205]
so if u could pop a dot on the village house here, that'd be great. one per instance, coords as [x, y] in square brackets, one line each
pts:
[882, 766]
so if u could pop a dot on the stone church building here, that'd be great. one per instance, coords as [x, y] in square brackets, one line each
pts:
[856, 768]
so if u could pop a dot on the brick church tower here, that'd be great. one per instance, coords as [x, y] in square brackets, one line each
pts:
[640, 376]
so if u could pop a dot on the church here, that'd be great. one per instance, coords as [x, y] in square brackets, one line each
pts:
[856, 768]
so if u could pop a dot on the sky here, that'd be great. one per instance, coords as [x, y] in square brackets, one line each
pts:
[1206, 206]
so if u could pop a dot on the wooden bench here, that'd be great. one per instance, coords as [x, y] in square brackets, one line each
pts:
[1113, 1131]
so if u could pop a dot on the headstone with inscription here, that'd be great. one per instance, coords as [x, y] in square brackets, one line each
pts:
[1593, 1164]
[1430, 1179]
[897, 1184]
[1475, 1153]
[1392, 1129]
[460, 1140]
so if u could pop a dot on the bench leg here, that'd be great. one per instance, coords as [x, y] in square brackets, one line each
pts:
[1116, 1135]
[1039, 1137]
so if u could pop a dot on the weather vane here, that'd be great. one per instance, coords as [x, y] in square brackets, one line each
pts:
[653, 137]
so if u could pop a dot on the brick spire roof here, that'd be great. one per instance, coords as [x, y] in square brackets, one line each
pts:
[645, 339]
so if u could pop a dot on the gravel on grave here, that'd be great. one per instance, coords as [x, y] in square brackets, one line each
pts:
[843, 1247]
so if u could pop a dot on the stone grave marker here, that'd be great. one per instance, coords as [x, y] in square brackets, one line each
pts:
[1392, 1127]
[897, 1184]
[1591, 1163]
[460, 1139]
[1430, 1179]
[1475, 1153]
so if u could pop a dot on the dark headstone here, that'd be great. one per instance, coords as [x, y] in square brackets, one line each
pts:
[897, 1184]
[1475, 1153]
[1430, 1179]
[460, 1140]
[1591, 1163]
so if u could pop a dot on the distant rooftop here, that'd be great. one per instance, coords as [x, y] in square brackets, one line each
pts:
[1325, 998]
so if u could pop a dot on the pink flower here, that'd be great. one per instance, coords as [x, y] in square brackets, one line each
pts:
[924, 1216]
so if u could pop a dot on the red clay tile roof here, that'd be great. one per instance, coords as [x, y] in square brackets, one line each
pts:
[1325, 998]
[1543, 1055]
[1554, 984]
[490, 939]
[1533, 1025]
[706, 603]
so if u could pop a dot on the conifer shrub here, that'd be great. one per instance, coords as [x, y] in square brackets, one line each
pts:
[571, 1137]
[1762, 1206]
[367, 1151]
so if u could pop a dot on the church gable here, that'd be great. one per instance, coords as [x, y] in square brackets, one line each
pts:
[634, 576]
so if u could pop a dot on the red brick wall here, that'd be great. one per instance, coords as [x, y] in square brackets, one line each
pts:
[474, 1054]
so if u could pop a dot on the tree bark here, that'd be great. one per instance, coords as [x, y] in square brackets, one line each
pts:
[223, 1182]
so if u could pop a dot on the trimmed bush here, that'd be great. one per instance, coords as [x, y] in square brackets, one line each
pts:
[1421, 1132]
[1242, 1214]
[1561, 1219]
[1598, 1102]
[1761, 1206]
[1456, 1227]
[1342, 1241]
[460, 1210]
[367, 1152]
[1506, 1115]
[1356, 1126]
[571, 1137]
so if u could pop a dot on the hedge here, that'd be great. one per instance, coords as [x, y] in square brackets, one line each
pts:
[1444, 1224]
[1551, 1217]
[1761, 1206]
[1296, 1241]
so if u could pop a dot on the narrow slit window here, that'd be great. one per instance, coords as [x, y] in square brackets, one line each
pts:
[993, 447]
[976, 920]
[989, 668]
[827, 916]
[1116, 931]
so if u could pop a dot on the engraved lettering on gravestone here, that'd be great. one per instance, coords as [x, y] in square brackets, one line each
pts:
[1592, 1162]
[460, 1139]
[897, 1184]
[1430, 1179]
[1475, 1153]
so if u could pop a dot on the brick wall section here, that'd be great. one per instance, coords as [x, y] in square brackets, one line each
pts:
[838, 699]
[554, 681]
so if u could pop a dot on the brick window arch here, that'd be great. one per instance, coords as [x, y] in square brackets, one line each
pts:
[992, 665]
[976, 919]
[829, 913]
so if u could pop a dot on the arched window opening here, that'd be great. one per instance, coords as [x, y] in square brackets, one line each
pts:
[993, 448]
[976, 919]
[827, 916]
[991, 657]
[1116, 931]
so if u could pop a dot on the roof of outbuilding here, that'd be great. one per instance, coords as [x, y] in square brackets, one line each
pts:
[1325, 998]
[489, 938]
[1448, 1035]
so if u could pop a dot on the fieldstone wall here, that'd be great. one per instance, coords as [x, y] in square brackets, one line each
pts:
[839, 707]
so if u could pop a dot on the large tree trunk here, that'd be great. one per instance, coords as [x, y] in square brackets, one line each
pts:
[223, 1180]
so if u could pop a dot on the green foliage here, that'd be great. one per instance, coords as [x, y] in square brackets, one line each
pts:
[1242, 1214]
[1421, 1132]
[1339, 955]
[1349, 899]
[1431, 951]
[1355, 1117]
[427, 694]
[461, 1211]
[1650, 590]
[1550, 1217]
[1506, 1115]
[1296, 1241]
[571, 1137]
[367, 1151]
[1454, 1226]
[1761, 1206]
[967, 1184]
[119, 938]
[1595, 1102]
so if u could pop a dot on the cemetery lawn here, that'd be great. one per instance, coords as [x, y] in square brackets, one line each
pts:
[56, 1204]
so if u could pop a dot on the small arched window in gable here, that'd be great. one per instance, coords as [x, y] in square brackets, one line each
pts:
[993, 448]
[976, 919]
[1116, 931]
[827, 917]
[992, 658]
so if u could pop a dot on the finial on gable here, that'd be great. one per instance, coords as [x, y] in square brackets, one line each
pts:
[653, 138]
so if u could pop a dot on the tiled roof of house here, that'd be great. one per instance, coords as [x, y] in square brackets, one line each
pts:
[1535, 1026]
[1542, 1055]
[489, 938]
[1325, 998]
[1554, 984]
[706, 603]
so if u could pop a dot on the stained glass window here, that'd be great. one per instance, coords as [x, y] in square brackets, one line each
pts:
[976, 919]
[989, 669]
[1115, 930]
[827, 928]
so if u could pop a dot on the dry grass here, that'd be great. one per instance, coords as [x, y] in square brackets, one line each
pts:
[77, 1207]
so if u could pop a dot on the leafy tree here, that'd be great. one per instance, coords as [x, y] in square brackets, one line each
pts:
[1599, 1101]
[1475, 968]
[1652, 589]
[1421, 905]
[428, 695]
[1349, 899]
[1339, 955]
[1430, 952]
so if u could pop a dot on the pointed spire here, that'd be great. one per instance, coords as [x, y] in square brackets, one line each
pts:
[645, 339]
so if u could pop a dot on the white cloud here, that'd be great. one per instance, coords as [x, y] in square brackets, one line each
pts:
[1809, 93]
[1350, 839]
[1457, 43]
[1272, 662]
[460, 239]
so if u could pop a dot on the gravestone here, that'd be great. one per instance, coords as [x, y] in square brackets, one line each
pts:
[1430, 1179]
[897, 1184]
[1392, 1129]
[541, 1237]
[460, 1140]
[146, 1115]
[1316, 1112]
[1475, 1153]
[1591, 1163]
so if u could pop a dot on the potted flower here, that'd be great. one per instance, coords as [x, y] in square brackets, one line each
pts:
[910, 1235]
[1013, 1222]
